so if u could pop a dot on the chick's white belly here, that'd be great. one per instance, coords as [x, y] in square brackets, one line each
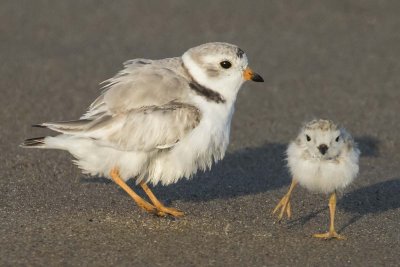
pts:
[322, 175]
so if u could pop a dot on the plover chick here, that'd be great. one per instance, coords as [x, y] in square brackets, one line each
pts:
[323, 158]
[157, 120]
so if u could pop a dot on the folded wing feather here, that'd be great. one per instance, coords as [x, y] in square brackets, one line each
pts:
[144, 129]
[141, 108]
[142, 83]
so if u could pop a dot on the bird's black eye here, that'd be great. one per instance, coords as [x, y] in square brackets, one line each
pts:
[308, 138]
[226, 64]
[337, 139]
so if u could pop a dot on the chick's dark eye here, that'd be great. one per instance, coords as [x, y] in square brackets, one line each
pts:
[337, 138]
[308, 138]
[226, 64]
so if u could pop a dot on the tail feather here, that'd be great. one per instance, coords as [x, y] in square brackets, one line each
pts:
[71, 127]
[39, 126]
[33, 142]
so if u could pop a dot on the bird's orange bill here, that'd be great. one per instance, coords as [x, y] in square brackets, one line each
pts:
[248, 74]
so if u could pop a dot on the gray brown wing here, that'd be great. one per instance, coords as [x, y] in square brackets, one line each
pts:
[143, 129]
[141, 83]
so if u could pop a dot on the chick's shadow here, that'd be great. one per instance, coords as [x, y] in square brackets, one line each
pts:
[368, 145]
[373, 199]
[376, 198]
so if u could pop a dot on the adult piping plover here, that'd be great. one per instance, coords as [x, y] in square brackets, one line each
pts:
[323, 158]
[157, 120]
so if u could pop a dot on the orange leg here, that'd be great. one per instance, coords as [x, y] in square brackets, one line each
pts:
[159, 206]
[140, 201]
[332, 233]
[284, 204]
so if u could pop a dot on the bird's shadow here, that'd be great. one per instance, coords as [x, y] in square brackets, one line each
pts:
[376, 198]
[243, 172]
[368, 145]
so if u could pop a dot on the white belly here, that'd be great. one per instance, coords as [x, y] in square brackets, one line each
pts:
[323, 176]
[205, 145]
[99, 160]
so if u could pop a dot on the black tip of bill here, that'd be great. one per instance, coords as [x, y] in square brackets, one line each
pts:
[38, 126]
[257, 78]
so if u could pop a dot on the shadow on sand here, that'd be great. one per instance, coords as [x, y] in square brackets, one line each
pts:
[376, 198]
[368, 145]
[243, 172]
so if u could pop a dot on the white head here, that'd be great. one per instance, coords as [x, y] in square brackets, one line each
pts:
[323, 139]
[221, 67]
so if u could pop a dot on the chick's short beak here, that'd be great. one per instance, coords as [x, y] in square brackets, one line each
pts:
[248, 74]
[323, 148]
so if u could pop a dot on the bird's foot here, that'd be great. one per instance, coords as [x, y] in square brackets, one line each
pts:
[151, 209]
[330, 235]
[163, 211]
[284, 206]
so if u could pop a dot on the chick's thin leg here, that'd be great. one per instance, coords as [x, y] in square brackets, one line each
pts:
[159, 206]
[332, 233]
[284, 204]
[140, 201]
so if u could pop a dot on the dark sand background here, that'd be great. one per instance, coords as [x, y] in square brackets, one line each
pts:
[331, 59]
